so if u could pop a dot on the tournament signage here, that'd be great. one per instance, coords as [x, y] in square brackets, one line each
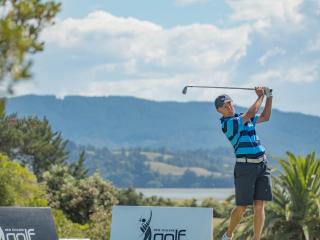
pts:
[26, 224]
[161, 223]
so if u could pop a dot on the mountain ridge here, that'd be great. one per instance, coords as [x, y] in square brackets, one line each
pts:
[124, 121]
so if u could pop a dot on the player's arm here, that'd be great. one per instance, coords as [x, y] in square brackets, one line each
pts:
[252, 111]
[266, 113]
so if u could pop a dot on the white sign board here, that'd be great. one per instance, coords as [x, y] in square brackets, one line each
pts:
[161, 223]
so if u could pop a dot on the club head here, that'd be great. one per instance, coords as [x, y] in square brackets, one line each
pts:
[184, 91]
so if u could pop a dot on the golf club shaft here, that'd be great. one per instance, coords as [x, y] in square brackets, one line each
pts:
[222, 87]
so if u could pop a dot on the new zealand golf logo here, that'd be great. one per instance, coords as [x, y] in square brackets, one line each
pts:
[17, 233]
[145, 227]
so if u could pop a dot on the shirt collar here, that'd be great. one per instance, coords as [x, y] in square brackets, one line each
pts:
[226, 118]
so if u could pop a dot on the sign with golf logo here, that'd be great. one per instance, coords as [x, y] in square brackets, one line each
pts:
[26, 224]
[161, 223]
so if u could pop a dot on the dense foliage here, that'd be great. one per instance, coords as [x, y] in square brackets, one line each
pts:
[83, 202]
[32, 142]
[18, 186]
[78, 198]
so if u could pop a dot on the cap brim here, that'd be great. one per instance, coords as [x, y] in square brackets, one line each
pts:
[229, 100]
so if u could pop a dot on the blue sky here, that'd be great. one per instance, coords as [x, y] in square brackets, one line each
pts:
[151, 49]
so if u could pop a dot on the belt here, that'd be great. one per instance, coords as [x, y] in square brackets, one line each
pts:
[252, 160]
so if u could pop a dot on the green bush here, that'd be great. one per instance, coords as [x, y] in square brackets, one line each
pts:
[18, 186]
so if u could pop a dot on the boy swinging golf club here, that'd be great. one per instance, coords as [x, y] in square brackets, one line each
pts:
[251, 175]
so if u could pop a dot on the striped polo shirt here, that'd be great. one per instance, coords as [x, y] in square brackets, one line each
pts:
[243, 137]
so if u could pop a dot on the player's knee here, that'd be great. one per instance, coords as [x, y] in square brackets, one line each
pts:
[241, 209]
[258, 206]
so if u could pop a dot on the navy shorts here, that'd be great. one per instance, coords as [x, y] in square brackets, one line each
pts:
[252, 182]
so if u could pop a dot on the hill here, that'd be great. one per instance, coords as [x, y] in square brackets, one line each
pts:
[130, 122]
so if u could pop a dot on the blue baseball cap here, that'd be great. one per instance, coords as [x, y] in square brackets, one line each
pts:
[221, 100]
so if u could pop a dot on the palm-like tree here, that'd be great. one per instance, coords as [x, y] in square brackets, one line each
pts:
[294, 212]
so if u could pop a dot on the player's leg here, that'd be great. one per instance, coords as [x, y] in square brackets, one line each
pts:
[244, 179]
[258, 218]
[263, 192]
[235, 219]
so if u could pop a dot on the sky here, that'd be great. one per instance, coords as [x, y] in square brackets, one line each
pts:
[152, 49]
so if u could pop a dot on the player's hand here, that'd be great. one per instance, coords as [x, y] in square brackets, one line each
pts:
[267, 91]
[259, 91]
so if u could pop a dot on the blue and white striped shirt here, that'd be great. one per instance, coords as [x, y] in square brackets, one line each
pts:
[242, 136]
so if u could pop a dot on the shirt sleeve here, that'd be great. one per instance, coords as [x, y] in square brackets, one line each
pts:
[232, 126]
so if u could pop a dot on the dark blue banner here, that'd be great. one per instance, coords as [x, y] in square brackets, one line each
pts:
[26, 224]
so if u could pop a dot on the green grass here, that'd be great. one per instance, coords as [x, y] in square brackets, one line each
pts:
[166, 169]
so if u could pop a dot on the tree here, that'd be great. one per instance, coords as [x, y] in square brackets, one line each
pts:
[18, 186]
[99, 225]
[2, 107]
[21, 23]
[78, 198]
[129, 197]
[77, 169]
[295, 211]
[32, 142]
[66, 228]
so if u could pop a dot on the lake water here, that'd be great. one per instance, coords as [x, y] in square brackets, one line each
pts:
[188, 193]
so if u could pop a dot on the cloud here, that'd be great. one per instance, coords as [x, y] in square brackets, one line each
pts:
[283, 10]
[317, 7]
[300, 74]
[270, 54]
[189, 2]
[304, 74]
[97, 26]
[166, 88]
[274, 43]
[128, 49]
[314, 44]
[200, 46]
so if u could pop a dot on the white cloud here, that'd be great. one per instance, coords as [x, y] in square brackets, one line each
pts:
[265, 78]
[189, 2]
[167, 88]
[317, 7]
[97, 26]
[304, 74]
[270, 54]
[299, 74]
[283, 10]
[314, 44]
[141, 49]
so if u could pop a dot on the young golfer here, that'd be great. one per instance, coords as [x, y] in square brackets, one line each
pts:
[251, 175]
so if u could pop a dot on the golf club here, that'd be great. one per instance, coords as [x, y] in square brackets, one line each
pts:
[184, 91]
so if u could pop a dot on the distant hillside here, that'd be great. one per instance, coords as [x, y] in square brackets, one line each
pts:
[159, 168]
[126, 121]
